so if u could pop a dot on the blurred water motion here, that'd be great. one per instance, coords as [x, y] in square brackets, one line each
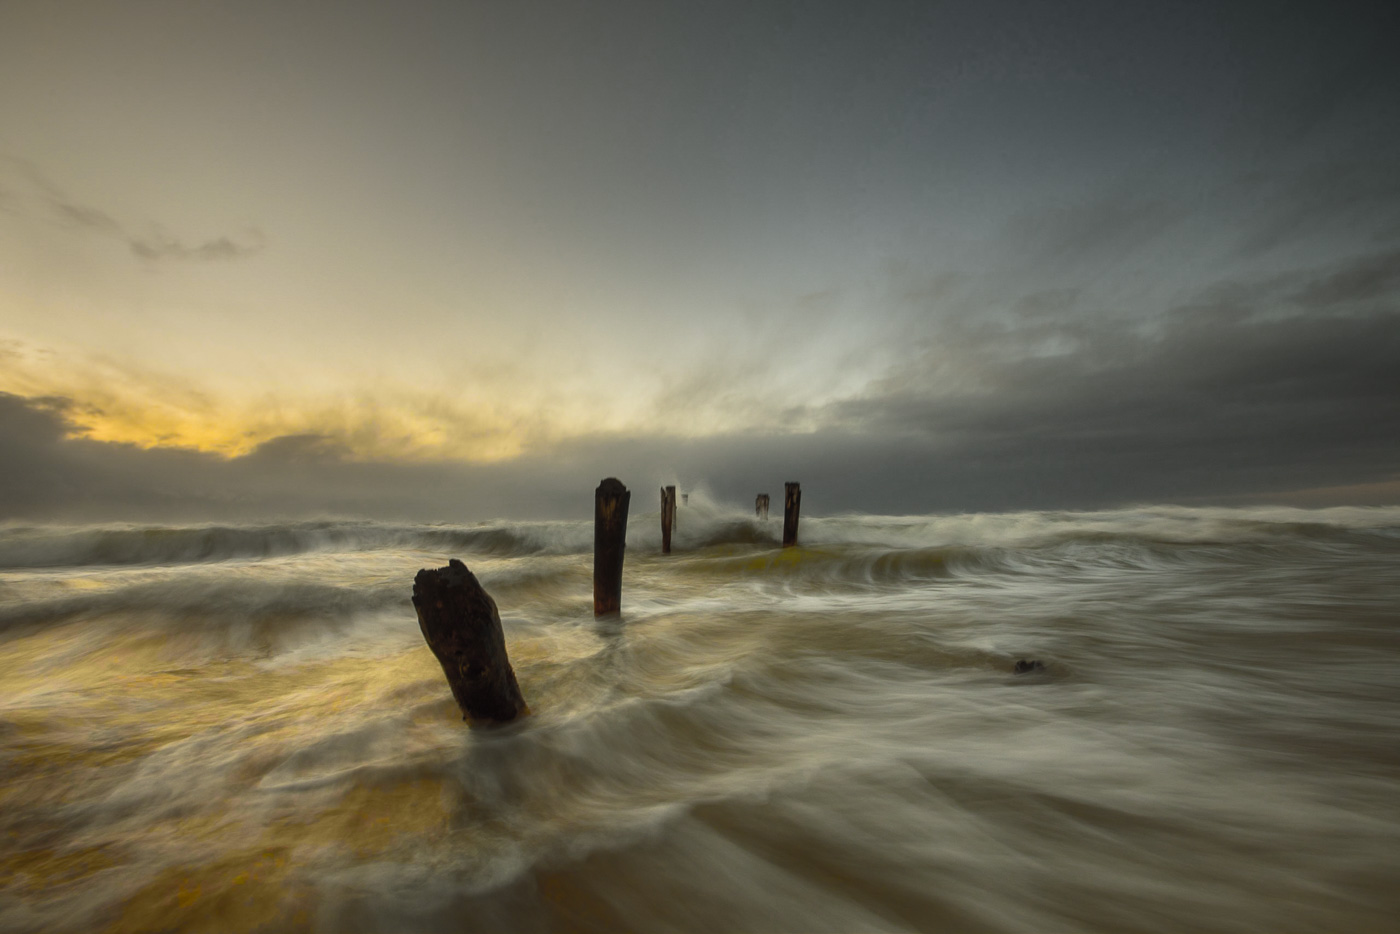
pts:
[221, 728]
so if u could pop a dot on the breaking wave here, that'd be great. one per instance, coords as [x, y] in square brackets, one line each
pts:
[704, 527]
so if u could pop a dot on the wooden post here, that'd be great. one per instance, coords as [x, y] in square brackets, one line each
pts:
[461, 625]
[760, 506]
[668, 517]
[792, 503]
[685, 499]
[610, 502]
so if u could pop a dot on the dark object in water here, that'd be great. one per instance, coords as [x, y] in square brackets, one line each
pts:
[792, 505]
[610, 502]
[1027, 665]
[463, 628]
[760, 506]
[668, 517]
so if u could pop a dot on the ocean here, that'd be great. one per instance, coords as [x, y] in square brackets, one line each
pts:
[239, 727]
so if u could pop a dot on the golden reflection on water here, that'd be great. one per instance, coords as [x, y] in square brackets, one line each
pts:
[230, 861]
[227, 870]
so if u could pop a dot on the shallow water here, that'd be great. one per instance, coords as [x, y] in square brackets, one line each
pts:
[221, 728]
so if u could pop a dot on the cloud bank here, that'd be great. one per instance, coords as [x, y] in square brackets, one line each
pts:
[154, 245]
[1263, 390]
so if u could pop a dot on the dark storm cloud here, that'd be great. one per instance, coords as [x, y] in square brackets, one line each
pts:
[1368, 278]
[160, 246]
[46, 473]
[1106, 226]
[27, 422]
[89, 217]
[1328, 62]
[305, 448]
[1047, 302]
[1289, 383]
[155, 245]
[1291, 387]
[1249, 389]
[1359, 195]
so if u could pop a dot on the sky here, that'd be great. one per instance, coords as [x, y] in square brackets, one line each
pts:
[461, 260]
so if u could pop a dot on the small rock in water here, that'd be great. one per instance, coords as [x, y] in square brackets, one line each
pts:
[1026, 665]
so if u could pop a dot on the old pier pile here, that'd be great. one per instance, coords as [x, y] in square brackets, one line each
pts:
[462, 626]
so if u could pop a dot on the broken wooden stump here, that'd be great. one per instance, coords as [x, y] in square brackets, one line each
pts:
[461, 625]
[792, 503]
[668, 517]
[760, 506]
[610, 502]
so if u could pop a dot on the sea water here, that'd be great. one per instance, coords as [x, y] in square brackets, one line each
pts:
[216, 728]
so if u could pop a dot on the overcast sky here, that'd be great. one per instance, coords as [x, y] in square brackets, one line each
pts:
[459, 260]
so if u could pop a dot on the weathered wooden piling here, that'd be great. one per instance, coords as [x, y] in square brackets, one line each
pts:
[792, 503]
[460, 622]
[668, 517]
[610, 502]
[760, 505]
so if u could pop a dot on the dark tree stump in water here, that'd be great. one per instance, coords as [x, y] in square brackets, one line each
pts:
[1027, 665]
[610, 502]
[461, 625]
